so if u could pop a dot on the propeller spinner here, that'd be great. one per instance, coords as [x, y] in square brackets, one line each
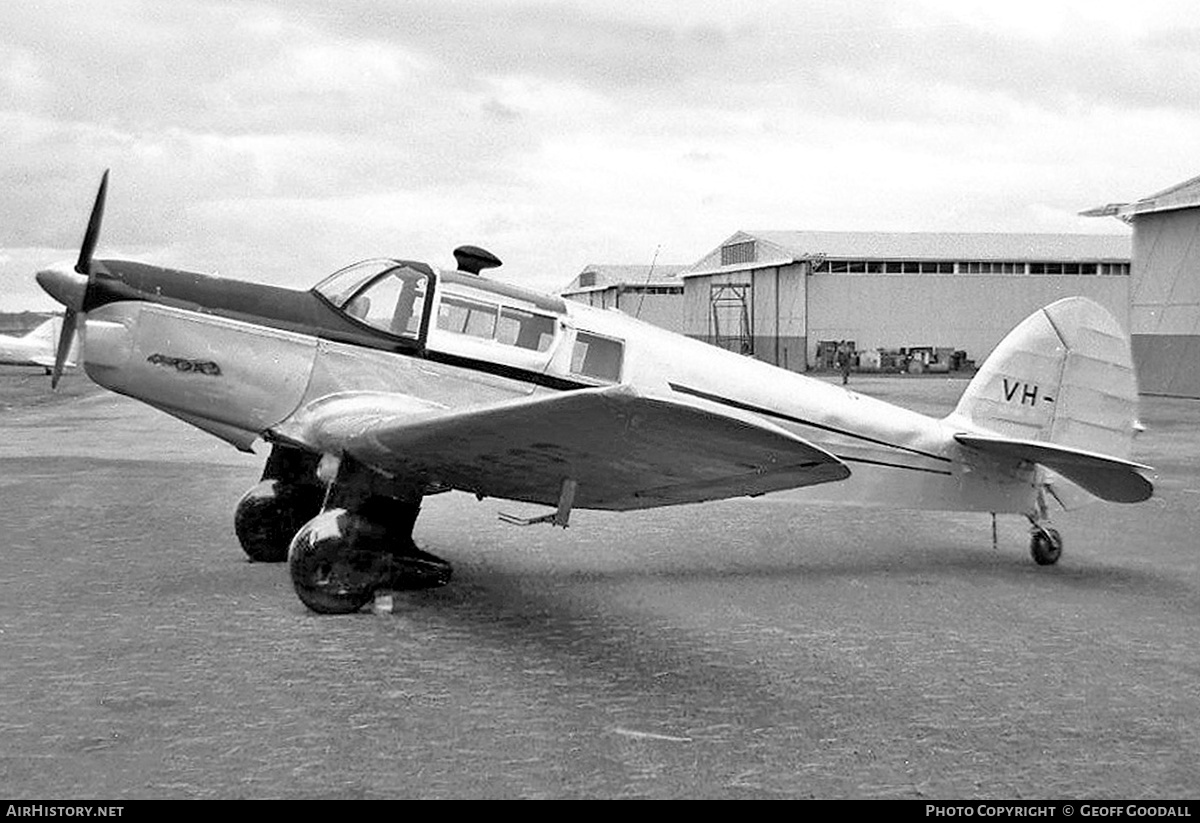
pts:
[69, 287]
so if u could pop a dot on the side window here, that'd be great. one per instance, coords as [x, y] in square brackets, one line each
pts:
[525, 329]
[488, 321]
[598, 357]
[468, 317]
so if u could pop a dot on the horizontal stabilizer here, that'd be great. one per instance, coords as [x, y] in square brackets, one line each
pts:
[1109, 478]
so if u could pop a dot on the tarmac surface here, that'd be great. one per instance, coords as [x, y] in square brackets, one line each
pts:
[752, 648]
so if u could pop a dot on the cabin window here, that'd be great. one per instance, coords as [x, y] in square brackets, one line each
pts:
[598, 357]
[490, 321]
[469, 317]
[525, 329]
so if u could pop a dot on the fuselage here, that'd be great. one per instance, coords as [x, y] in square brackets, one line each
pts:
[15, 351]
[240, 360]
[35, 348]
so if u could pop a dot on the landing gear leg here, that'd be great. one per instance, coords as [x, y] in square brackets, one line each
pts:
[1045, 543]
[269, 514]
[360, 543]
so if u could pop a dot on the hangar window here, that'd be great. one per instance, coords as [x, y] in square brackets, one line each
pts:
[738, 253]
[654, 289]
[1114, 268]
[587, 279]
[991, 267]
[1062, 268]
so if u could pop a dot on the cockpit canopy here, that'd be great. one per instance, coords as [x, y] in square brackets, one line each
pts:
[394, 297]
[473, 317]
[387, 295]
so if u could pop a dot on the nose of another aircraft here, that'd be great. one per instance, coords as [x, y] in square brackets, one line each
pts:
[64, 284]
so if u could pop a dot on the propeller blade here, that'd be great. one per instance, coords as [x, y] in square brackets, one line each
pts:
[84, 265]
[64, 345]
[70, 290]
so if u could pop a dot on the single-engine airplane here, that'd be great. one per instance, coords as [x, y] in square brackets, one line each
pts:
[391, 380]
[37, 348]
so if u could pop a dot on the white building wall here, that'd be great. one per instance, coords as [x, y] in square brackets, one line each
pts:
[963, 311]
[1165, 297]
[663, 310]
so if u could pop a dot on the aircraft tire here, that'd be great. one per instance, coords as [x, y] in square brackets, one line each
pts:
[1045, 546]
[334, 567]
[269, 515]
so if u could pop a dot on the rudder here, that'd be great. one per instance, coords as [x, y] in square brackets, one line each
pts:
[1064, 375]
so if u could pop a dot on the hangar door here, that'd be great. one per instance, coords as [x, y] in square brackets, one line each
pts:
[730, 313]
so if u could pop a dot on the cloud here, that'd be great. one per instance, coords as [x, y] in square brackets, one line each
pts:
[280, 140]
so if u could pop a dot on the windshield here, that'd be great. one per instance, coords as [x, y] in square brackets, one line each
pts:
[382, 294]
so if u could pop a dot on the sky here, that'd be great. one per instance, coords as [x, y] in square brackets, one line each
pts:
[280, 141]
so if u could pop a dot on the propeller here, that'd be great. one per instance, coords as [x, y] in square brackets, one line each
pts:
[69, 287]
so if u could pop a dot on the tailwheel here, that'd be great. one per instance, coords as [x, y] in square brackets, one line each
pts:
[336, 563]
[1045, 545]
[270, 514]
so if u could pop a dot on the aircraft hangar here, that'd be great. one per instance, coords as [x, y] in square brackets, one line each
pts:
[1164, 311]
[779, 295]
[650, 293]
[789, 297]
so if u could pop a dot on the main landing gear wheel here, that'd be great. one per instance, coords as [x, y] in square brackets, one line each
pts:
[332, 570]
[270, 514]
[1045, 545]
[340, 558]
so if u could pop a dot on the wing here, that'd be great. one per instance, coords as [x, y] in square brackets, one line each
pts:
[624, 450]
[1109, 478]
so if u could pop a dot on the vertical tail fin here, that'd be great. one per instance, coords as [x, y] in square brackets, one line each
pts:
[1063, 376]
[46, 338]
[46, 331]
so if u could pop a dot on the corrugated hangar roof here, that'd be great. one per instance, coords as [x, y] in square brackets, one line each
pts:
[607, 275]
[776, 248]
[1183, 195]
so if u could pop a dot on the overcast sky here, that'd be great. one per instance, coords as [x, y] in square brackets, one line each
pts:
[278, 141]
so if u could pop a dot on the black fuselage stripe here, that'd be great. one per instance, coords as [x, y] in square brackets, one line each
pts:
[548, 381]
[737, 404]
